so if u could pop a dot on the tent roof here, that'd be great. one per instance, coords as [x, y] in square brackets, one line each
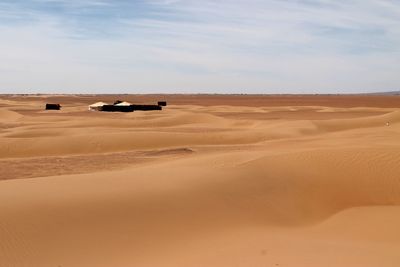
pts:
[98, 104]
[123, 104]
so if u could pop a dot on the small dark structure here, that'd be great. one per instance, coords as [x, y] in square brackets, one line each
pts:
[162, 103]
[53, 107]
[146, 107]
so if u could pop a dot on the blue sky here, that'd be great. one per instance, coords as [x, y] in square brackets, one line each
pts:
[209, 46]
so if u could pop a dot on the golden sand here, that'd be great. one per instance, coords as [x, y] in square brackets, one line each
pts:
[208, 181]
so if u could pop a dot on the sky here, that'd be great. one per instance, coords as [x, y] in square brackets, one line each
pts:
[191, 46]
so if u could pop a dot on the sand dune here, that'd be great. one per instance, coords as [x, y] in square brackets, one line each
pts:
[374, 121]
[8, 115]
[200, 186]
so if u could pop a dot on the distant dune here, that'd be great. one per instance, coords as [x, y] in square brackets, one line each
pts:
[390, 93]
[208, 181]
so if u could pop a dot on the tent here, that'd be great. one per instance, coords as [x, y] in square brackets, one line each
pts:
[123, 104]
[53, 106]
[97, 106]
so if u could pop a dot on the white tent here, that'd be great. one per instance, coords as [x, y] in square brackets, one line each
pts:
[123, 104]
[97, 106]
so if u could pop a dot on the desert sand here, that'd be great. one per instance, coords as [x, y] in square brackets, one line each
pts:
[209, 181]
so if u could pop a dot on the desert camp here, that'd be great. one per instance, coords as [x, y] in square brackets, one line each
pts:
[123, 106]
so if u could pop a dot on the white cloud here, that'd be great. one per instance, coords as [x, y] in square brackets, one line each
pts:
[201, 46]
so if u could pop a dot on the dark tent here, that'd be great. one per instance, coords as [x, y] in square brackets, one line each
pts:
[53, 107]
[146, 107]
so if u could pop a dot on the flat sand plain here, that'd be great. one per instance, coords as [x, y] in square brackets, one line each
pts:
[209, 181]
